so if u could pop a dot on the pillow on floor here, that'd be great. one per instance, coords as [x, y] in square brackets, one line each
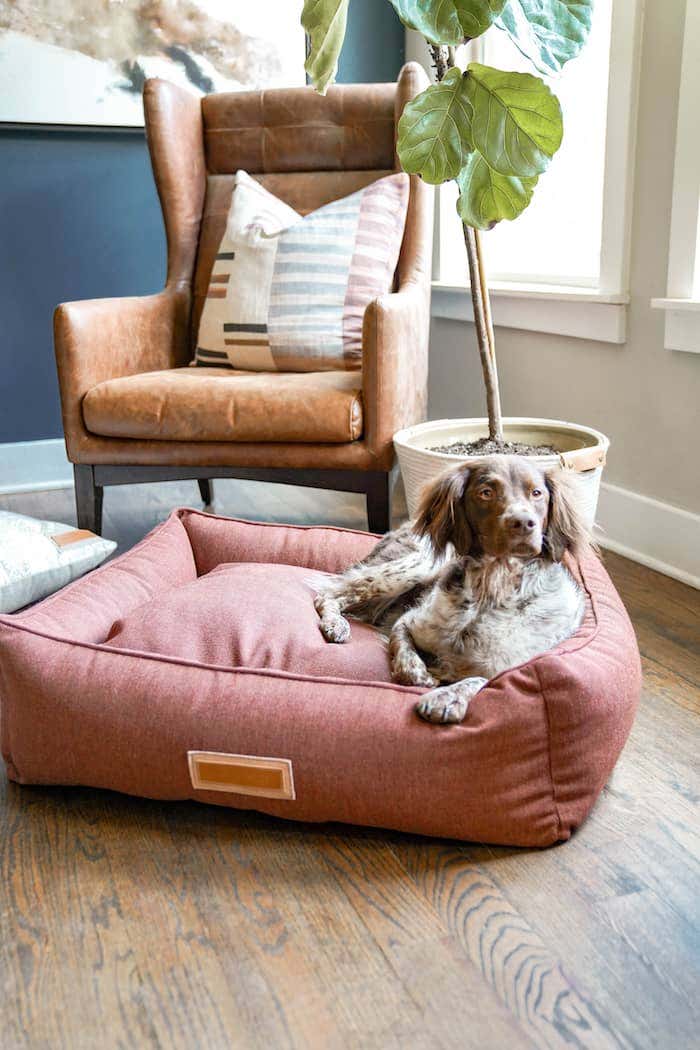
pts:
[288, 292]
[39, 557]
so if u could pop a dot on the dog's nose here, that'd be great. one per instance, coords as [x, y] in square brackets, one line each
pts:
[521, 523]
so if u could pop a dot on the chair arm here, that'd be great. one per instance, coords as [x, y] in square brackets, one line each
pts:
[395, 338]
[100, 339]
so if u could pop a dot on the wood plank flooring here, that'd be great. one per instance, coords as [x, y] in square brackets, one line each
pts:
[131, 923]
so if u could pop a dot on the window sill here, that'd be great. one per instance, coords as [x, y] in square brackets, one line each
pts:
[582, 313]
[682, 324]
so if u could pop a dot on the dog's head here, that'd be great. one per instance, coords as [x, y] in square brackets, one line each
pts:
[504, 506]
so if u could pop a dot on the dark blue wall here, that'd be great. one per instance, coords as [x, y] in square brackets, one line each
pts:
[79, 219]
[374, 44]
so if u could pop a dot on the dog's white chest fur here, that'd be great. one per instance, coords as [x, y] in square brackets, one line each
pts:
[481, 620]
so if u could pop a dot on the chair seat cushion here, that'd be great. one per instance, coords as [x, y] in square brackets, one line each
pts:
[192, 667]
[216, 404]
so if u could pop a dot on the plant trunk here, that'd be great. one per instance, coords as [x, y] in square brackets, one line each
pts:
[483, 323]
[444, 59]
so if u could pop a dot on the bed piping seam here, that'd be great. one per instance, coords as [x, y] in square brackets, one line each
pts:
[555, 802]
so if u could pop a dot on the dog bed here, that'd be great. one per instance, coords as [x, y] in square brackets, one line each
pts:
[193, 667]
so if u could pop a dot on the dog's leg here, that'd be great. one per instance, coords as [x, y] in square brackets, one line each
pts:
[449, 703]
[365, 590]
[334, 626]
[407, 667]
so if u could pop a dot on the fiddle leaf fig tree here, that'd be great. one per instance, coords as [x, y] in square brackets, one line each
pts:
[512, 120]
[491, 131]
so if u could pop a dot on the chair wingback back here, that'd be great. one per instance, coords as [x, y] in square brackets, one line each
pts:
[296, 129]
[304, 147]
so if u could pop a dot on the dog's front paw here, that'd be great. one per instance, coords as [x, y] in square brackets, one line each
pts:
[335, 630]
[442, 705]
[410, 670]
[449, 703]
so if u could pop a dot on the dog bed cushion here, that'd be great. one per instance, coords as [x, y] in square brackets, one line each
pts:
[126, 680]
[251, 615]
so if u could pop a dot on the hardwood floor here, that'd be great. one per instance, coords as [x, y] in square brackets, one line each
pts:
[131, 923]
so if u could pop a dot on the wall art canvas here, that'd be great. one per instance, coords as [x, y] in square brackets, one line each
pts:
[85, 61]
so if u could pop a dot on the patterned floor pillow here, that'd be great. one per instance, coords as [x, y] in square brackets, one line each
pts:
[38, 557]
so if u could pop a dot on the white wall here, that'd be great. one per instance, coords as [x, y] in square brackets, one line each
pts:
[646, 398]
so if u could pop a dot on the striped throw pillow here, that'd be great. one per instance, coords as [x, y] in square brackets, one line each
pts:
[288, 292]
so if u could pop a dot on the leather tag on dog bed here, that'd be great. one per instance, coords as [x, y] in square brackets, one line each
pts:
[241, 774]
[63, 539]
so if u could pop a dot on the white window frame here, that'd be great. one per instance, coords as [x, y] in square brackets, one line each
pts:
[682, 325]
[598, 313]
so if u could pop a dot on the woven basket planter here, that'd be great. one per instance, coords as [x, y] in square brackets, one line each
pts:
[581, 449]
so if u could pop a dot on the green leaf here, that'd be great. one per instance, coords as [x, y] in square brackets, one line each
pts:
[476, 16]
[449, 21]
[485, 197]
[548, 32]
[325, 22]
[434, 137]
[516, 122]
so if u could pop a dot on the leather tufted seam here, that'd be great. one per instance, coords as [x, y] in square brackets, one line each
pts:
[306, 125]
[263, 137]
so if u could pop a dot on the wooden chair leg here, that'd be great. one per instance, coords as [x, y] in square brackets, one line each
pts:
[88, 498]
[206, 491]
[379, 491]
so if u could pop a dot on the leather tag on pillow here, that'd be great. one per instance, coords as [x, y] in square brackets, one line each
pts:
[64, 539]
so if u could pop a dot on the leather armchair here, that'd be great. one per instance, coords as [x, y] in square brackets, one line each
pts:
[122, 363]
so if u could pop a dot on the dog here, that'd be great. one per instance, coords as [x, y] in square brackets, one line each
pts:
[474, 586]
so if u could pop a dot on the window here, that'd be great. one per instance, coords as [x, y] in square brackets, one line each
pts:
[571, 246]
[682, 301]
[557, 239]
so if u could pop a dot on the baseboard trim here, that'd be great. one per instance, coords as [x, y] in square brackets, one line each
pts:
[655, 534]
[34, 466]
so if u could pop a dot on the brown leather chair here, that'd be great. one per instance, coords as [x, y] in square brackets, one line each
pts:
[133, 411]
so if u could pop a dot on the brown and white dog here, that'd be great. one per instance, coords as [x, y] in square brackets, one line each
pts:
[474, 586]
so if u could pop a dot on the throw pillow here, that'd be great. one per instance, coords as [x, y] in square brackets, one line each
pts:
[288, 292]
[38, 557]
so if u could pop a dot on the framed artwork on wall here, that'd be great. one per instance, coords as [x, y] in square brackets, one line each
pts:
[84, 62]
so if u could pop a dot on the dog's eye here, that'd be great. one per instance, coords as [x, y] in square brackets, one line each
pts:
[536, 492]
[486, 493]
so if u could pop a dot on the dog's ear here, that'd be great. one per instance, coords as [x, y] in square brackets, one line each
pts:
[566, 529]
[442, 514]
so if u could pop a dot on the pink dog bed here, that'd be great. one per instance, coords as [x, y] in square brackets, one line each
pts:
[193, 667]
